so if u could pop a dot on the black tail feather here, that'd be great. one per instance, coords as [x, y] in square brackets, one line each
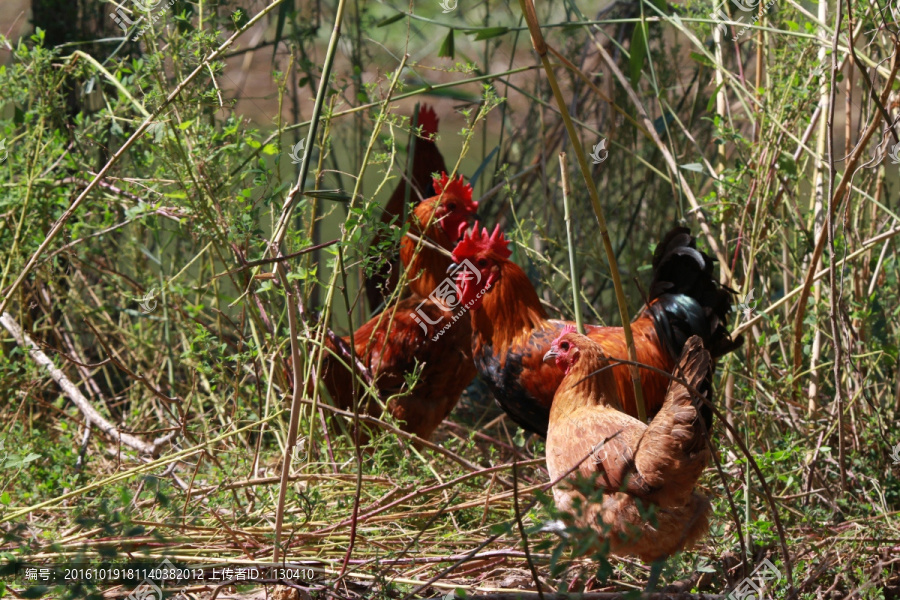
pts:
[686, 299]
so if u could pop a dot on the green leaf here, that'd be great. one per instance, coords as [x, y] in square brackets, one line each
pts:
[183, 12]
[696, 167]
[185, 125]
[711, 105]
[270, 149]
[702, 59]
[500, 528]
[389, 20]
[787, 164]
[4, 499]
[638, 52]
[335, 195]
[474, 179]
[447, 49]
[9, 566]
[283, 10]
[239, 18]
[488, 33]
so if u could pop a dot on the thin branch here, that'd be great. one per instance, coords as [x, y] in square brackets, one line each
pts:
[515, 473]
[91, 415]
[570, 243]
[277, 259]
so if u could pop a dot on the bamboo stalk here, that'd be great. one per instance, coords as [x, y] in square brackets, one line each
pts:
[722, 112]
[570, 242]
[288, 207]
[540, 47]
[818, 215]
[835, 317]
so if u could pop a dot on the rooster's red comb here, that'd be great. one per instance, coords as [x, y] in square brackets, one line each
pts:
[456, 188]
[474, 242]
[428, 121]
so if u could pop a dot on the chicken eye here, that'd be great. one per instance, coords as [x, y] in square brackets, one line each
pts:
[482, 262]
[451, 207]
[564, 345]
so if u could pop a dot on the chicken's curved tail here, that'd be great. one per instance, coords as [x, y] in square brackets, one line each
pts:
[673, 452]
[686, 299]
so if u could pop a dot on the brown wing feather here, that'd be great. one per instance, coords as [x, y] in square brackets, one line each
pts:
[605, 436]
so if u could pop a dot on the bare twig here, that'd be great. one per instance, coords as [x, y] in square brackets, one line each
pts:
[534, 575]
[296, 397]
[71, 390]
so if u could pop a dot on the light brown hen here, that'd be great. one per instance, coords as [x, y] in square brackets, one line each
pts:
[640, 468]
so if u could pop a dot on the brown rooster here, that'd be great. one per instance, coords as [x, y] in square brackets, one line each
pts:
[409, 336]
[640, 468]
[426, 161]
[511, 331]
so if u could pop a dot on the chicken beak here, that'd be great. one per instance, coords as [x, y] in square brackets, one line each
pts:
[550, 356]
[452, 268]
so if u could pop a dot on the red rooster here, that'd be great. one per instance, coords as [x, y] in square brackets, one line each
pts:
[638, 467]
[411, 336]
[511, 331]
[427, 160]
